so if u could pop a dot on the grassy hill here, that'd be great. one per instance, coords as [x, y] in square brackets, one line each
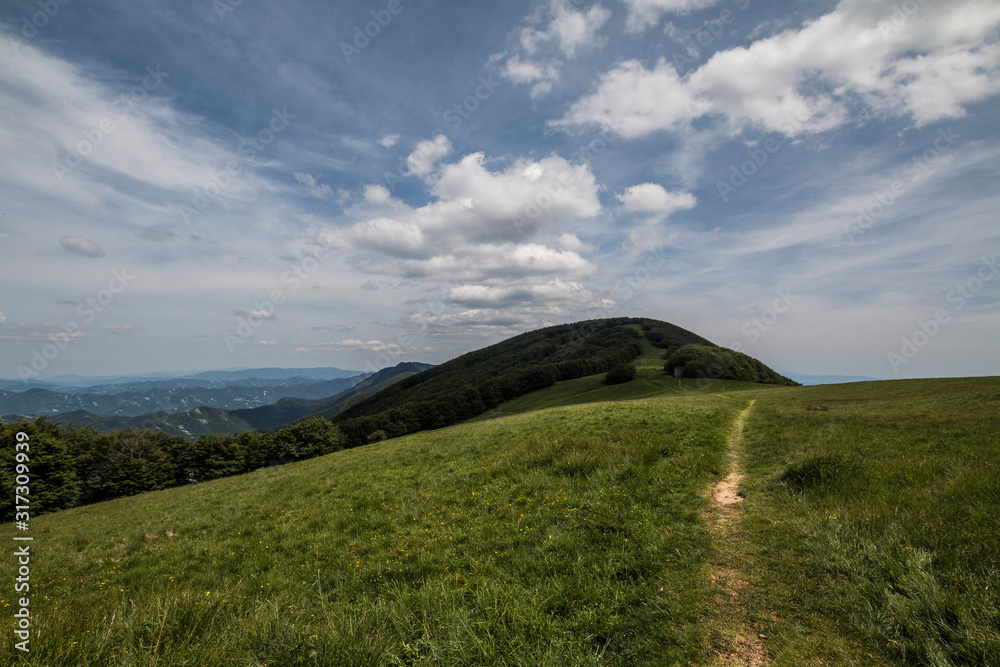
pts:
[480, 381]
[288, 410]
[578, 534]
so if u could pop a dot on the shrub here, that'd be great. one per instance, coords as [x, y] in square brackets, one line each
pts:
[620, 374]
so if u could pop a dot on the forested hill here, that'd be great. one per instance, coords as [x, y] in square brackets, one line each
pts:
[479, 381]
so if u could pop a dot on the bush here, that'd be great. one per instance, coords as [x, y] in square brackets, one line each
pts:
[620, 374]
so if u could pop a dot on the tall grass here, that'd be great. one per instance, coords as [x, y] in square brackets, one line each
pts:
[872, 516]
[566, 537]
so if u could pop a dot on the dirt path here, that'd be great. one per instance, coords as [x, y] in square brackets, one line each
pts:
[732, 640]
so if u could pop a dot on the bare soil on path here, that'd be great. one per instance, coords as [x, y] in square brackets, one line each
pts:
[732, 639]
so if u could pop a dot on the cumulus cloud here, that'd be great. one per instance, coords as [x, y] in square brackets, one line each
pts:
[573, 243]
[573, 29]
[477, 207]
[928, 66]
[81, 246]
[645, 13]
[426, 154]
[388, 140]
[554, 34]
[315, 189]
[653, 198]
[478, 235]
[555, 296]
[377, 194]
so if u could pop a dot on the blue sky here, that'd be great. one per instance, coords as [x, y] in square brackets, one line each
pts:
[228, 184]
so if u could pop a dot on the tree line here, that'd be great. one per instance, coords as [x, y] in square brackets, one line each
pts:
[77, 466]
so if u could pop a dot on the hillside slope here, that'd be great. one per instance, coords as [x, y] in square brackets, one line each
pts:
[565, 537]
[288, 410]
[474, 383]
[866, 534]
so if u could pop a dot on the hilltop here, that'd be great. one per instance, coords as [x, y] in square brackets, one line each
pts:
[479, 381]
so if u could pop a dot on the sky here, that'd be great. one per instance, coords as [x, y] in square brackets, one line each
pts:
[248, 183]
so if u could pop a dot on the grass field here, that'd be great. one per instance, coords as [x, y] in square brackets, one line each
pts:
[871, 519]
[578, 534]
[567, 537]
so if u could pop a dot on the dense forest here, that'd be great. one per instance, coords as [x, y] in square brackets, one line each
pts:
[76, 466]
[719, 363]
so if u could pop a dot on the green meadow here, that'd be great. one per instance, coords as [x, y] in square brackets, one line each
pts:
[571, 527]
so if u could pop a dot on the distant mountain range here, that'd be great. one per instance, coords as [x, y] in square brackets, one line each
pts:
[228, 390]
[828, 379]
[203, 419]
[116, 384]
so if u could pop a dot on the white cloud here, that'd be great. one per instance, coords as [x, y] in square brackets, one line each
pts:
[634, 101]
[81, 246]
[555, 295]
[3, 319]
[58, 105]
[573, 243]
[520, 71]
[653, 198]
[476, 207]
[645, 13]
[388, 140]
[315, 190]
[426, 154]
[255, 313]
[928, 66]
[377, 194]
[575, 29]
[478, 236]
[543, 48]
[43, 332]
[354, 345]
